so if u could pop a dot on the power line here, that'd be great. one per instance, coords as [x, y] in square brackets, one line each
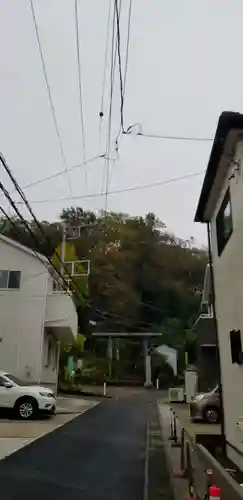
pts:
[165, 137]
[19, 233]
[127, 48]
[124, 81]
[26, 225]
[101, 114]
[119, 62]
[11, 222]
[125, 190]
[59, 174]
[49, 91]
[108, 142]
[117, 14]
[34, 237]
[104, 315]
[106, 166]
[80, 89]
[106, 174]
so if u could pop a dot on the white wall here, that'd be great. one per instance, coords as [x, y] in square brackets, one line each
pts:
[228, 274]
[22, 314]
[49, 373]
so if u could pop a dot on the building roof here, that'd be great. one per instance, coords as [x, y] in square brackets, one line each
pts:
[23, 248]
[228, 121]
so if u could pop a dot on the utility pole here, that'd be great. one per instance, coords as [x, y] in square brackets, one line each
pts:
[63, 246]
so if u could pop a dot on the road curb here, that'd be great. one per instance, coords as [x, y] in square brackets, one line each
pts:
[146, 463]
[178, 485]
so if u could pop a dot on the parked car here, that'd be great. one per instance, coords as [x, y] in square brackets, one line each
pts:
[25, 400]
[206, 406]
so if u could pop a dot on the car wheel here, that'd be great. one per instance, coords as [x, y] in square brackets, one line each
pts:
[212, 415]
[26, 408]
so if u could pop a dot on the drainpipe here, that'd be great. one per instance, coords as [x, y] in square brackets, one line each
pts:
[217, 339]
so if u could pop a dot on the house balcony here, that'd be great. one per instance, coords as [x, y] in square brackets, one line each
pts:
[61, 316]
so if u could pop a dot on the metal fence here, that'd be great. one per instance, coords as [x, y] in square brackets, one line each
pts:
[199, 468]
[192, 467]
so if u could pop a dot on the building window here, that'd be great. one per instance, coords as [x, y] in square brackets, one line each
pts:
[14, 279]
[224, 222]
[3, 279]
[10, 279]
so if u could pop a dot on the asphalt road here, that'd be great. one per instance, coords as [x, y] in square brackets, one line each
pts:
[97, 456]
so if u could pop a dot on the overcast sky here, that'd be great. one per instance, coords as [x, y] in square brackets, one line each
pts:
[184, 70]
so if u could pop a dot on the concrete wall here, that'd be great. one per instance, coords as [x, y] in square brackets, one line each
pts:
[205, 330]
[49, 372]
[207, 362]
[228, 273]
[22, 314]
[230, 489]
[208, 368]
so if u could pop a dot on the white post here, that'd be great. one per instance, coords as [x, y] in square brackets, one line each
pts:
[110, 355]
[104, 390]
[147, 364]
[157, 383]
[57, 367]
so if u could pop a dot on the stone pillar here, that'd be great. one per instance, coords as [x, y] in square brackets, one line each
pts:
[147, 364]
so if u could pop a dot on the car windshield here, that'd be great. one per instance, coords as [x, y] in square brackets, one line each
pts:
[15, 380]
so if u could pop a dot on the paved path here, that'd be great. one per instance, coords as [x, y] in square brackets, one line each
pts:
[97, 456]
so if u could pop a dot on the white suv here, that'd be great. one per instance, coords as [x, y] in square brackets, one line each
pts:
[25, 400]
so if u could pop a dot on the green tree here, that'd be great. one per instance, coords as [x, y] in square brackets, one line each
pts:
[143, 277]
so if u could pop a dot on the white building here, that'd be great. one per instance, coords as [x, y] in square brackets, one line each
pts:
[34, 317]
[221, 207]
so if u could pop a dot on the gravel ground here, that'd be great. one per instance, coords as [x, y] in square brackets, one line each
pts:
[97, 456]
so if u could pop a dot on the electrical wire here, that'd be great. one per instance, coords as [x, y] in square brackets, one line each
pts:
[19, 233]
[104, 315]
[34, 237]
[46, 237]
[80, 89]
[121, 129]
[11, 222]
[106, 168]
[108, 142]
[125, 190]
[165, 137]
[119, 62]
[127, 48]
[59, 174]
[117, 141]
[49, 92]
[26, 225]
[112, 73]
[101, 114]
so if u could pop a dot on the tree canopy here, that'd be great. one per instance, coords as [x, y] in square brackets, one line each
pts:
[143, 278]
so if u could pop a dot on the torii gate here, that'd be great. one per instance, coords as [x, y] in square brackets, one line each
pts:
[145, 338]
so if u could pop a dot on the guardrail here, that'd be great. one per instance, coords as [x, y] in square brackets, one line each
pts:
[201, 470]
[192, 469]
